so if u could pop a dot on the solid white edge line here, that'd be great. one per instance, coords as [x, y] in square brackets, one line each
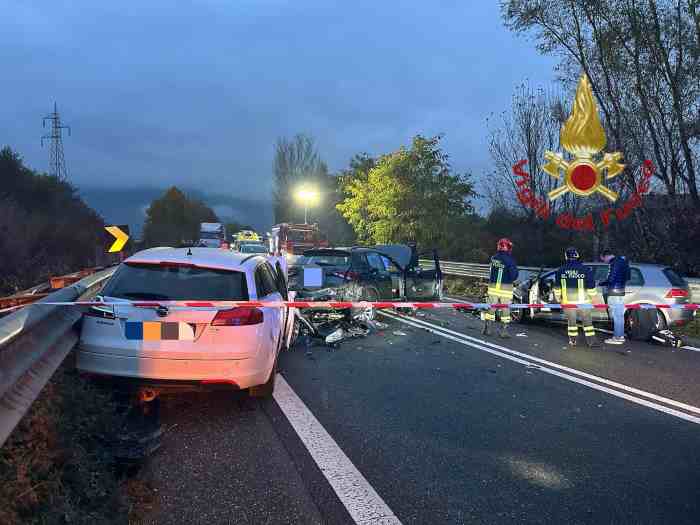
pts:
[362, 502]
[609, 382]
[595, 386]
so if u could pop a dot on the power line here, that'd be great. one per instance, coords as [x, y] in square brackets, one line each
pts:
[57, 162]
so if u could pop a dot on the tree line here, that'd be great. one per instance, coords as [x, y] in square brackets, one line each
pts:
[45, 227]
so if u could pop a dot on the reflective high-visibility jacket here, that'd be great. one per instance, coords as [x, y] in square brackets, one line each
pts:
[502, 273]
[574, 283]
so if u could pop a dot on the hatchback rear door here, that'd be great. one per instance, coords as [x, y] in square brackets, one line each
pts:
[152, 330]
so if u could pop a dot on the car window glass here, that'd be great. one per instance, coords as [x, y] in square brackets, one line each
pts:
[636, 278]
[375, 262]
[674, 278]
[390, 266]
[359, 263]
[600, 272]
[267, 281]
[152, 281]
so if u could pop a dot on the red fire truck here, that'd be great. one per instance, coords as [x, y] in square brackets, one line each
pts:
[295, 239]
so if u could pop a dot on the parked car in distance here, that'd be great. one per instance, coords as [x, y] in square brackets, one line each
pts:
[212, 235]
[649, 284]
[166, 349]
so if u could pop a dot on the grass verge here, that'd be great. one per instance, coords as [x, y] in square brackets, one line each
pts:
[57, 466]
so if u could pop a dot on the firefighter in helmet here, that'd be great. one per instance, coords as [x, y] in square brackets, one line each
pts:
[503, 271]
[574, 284]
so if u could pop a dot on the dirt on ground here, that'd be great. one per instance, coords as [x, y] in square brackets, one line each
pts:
[58, 465]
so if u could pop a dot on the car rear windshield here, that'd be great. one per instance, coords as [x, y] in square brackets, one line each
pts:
[674, 278]
[156, 282]
[325, 260]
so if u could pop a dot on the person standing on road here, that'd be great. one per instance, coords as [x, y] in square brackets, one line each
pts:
[618, 275]
[574, 284]
[503, 271]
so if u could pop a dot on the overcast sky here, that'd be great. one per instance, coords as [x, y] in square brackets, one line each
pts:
[198, 93]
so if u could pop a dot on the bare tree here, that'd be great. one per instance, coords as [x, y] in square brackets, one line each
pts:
[296, 161]
[642, 57]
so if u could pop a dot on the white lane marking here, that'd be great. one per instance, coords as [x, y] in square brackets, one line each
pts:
[602, 330]
[595, 386]
[609, 382]
[354, 491]
[691, 348]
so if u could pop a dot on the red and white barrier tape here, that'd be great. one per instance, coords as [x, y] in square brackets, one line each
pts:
[218, 305]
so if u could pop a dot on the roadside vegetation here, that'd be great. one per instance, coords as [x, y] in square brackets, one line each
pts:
[45, 227]
[57, 466]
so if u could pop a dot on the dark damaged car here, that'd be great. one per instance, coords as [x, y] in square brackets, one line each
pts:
[379, 273]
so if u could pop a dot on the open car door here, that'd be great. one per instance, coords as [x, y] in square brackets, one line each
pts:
[424, 283]
[289, 314]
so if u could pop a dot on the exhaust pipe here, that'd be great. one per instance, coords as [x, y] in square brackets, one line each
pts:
[146, 395]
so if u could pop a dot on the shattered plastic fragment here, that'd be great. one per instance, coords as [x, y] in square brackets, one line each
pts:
[399, 332]
[335, 336]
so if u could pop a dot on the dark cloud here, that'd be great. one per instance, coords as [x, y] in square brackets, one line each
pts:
[196, 93]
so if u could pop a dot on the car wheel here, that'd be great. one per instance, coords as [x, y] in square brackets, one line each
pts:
[640, 324]
[296, 330]
[266, 390]
[660, 323]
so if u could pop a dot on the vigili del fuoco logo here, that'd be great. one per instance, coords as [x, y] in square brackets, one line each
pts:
[583, 136]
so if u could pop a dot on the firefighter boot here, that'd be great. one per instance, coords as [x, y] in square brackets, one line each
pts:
[572, 341]
[504, 332]
[485, 328]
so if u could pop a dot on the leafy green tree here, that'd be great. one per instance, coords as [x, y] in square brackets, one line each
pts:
[173, 219]
[408, 195]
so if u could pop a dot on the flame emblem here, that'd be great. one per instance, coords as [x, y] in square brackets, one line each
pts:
[583, 136]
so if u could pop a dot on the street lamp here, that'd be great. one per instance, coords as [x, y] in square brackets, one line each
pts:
[306, 196]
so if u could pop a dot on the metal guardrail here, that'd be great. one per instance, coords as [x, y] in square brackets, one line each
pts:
[481, 271]
[34, 341]
[476, 270]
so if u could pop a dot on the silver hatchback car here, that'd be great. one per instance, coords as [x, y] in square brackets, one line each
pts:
[649, 284]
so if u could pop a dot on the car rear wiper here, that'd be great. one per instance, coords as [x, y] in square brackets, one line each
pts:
[143, 295]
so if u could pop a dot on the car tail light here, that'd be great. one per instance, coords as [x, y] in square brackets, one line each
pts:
[238, 317]
[676, 292]
[102, 313]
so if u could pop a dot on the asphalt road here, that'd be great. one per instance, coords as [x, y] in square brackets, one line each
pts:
[445, 426]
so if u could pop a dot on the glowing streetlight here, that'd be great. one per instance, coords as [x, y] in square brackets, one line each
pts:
[306, 196]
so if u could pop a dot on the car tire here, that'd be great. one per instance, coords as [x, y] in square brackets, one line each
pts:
[296, 330]
[265, 390]
[640, 324]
